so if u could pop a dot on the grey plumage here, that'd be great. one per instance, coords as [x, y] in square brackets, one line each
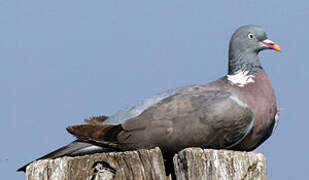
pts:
[236, 111]
[139, 107]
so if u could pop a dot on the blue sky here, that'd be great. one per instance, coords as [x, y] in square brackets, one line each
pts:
[63, 61]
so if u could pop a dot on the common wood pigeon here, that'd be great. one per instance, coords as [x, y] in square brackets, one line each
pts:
[237, 111]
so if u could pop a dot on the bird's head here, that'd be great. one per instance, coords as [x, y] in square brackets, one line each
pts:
[245, 44]
[251, 39]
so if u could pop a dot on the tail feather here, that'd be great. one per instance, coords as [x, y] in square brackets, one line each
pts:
[75, 148]
[96, 120]
[101, 134]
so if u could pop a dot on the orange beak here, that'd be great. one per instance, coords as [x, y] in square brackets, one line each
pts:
[271, 45]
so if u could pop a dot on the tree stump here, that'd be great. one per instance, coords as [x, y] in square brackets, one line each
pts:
[141, 164]
[208, 164]
[190, 164]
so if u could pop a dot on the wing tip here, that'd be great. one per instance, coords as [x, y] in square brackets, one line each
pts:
[22, 169]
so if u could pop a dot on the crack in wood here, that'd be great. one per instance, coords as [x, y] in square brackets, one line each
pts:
[102, 170]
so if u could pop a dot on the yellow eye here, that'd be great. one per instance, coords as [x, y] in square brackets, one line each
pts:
[250, 36]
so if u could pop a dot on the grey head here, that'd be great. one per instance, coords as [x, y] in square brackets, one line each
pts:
[245, 44]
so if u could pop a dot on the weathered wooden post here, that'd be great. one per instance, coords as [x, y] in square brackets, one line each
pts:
[209, 164]
[190, 164]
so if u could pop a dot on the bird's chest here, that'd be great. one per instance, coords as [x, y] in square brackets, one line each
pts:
[260, 96]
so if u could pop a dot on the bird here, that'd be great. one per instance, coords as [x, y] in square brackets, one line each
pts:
[237, 111]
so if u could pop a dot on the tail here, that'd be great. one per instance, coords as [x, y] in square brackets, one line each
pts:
[76, 148]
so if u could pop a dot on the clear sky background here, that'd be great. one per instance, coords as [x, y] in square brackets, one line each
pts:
[63, 61]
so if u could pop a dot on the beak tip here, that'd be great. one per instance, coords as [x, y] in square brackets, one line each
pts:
[277, 48]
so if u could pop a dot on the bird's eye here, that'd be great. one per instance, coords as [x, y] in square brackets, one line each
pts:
[250, 36]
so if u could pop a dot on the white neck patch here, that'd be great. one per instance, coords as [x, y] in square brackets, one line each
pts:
[241, 78]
